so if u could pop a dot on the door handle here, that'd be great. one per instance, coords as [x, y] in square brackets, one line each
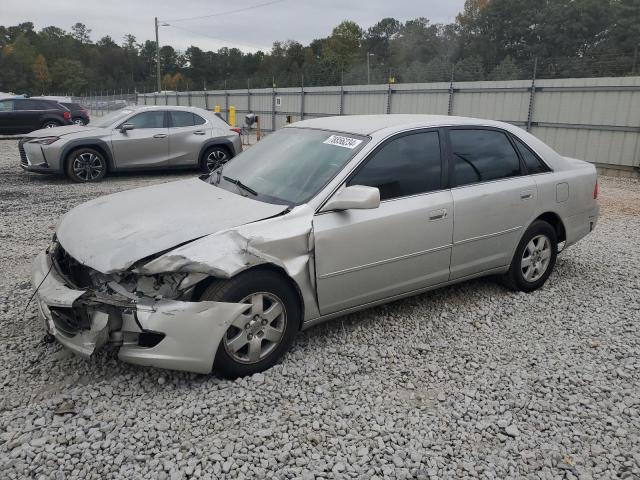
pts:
[160, 135]
[438, 214]
[199, 132]
[526, 195]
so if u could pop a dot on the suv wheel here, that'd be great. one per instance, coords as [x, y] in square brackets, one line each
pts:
[50, 124]
[214, 158]
[257, 339]
[86, 165]
[79, 122]
[534, 259]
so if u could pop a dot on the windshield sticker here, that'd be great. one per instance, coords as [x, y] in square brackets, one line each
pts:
[345, 142]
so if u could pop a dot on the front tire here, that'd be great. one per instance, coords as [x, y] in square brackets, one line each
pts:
[534, 259]
[86, 165]
[256, 340]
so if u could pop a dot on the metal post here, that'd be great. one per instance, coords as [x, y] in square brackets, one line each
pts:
[249, 95]
[450, 107]
[532, 94]
[206, 99]
[189, 97]
[389, 92]
[302, 97]
[368, 74]
[273, 106]
[341, 105]
[158, 56]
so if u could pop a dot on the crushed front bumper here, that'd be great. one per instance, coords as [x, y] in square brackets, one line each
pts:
[162, 333]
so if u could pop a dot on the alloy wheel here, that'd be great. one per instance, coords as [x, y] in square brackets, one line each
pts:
[88, 166]
[216, 159]
[535, 258]
[257, 333]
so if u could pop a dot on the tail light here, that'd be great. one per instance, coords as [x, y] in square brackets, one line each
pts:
[596, 191]
[66, 115]
[237, 130]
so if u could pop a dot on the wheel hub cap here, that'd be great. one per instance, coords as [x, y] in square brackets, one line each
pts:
[535, 258]
[255, 334]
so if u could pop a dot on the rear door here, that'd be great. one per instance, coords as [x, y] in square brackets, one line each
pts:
[187, 133]
[27, 115]
[363, 256]
[147, 145]
[492, 200]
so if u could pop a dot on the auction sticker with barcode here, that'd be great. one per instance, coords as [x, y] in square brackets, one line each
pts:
[345, 142]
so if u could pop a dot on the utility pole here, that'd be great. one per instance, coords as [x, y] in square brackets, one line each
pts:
[158, 57]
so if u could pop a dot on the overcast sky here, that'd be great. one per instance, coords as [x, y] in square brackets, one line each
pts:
[250, 30]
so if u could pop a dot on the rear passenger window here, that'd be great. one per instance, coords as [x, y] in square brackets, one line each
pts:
[407, 165]
[482, 155]
[531, 160]
[181, 119]
[198, 120]
[6, 106]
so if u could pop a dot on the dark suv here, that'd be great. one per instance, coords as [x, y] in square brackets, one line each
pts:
[23, 115]
[79, 114]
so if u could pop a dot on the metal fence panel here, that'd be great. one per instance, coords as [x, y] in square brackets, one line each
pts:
[596, 119]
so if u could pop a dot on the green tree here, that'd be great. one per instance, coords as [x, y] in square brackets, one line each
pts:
[41, 73]
[68, 76]
[81, 33]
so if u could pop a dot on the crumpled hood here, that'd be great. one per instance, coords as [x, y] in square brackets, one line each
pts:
[111, 233]
[66, 130]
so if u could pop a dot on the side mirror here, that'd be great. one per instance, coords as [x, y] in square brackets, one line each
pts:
[125, 127]
[355, 197]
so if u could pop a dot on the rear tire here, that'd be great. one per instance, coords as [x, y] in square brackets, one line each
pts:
[86, 165]
[213, 158]
[257, 340]
[51, 124]
[534, 258]
[79, 121]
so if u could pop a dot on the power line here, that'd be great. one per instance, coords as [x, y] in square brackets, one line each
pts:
[228, 12]
[252, 45]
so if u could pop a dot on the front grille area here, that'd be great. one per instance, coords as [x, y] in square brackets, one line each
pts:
[23, 154]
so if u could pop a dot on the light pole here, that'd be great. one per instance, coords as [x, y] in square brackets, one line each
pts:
[158, 56]
[368, 71]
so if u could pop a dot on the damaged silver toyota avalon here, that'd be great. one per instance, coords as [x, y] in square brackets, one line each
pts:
[321, 218]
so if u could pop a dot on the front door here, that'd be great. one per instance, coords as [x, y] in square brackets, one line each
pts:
[492, 202]
[147, 145]
[363, 256]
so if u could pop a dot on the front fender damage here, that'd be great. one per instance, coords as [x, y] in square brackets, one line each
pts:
[284, 241]
[193, 331]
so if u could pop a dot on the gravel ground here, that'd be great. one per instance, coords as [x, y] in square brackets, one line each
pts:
[468, 381]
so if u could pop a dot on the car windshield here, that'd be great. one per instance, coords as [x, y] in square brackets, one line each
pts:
[289, 166]
[111, 118]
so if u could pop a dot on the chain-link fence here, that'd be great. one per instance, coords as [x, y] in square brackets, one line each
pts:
[100, 104]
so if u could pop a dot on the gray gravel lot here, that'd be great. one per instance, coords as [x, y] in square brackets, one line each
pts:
[468, 381]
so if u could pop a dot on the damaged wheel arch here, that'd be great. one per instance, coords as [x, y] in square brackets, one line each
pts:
[266, 267]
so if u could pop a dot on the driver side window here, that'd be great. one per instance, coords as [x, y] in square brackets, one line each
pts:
[406, 165]
[154, 119]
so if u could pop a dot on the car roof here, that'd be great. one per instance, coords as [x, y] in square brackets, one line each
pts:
[165, 107]
[369, 124]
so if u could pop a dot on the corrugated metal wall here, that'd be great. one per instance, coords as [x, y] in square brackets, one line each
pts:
[596, 119]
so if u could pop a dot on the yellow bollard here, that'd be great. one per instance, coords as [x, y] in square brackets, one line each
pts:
[216, 109]
[232, 116]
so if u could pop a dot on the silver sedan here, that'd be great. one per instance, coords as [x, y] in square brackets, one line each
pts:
[322, 218]
[134, 138]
